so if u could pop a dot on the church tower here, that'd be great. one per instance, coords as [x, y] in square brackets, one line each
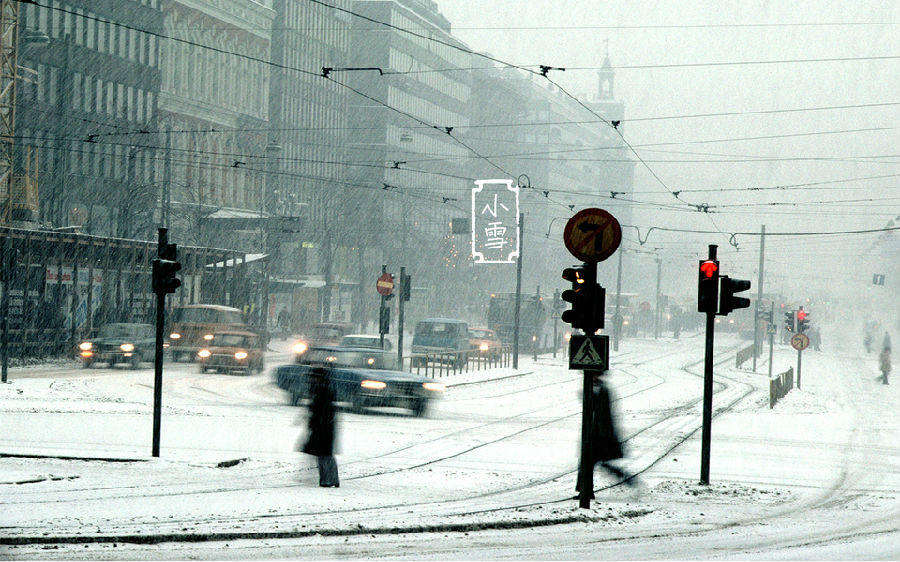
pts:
[607, 77]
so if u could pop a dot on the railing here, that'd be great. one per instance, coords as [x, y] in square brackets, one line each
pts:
[780, 385]
[439, 364]
[743, 355]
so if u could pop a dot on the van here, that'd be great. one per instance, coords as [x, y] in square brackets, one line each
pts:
[193, 326]
[441, 336]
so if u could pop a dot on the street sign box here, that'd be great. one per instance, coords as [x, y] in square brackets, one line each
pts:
[589, 352]
[495, 221]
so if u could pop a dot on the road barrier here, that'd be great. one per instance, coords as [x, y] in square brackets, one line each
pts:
[743, 355]
[780, 385]
[451, 363]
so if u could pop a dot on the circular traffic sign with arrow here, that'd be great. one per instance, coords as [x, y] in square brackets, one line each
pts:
[799, 341]
[592, 235]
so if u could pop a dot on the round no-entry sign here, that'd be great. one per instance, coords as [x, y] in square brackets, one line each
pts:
[592, 235]
[385, 284]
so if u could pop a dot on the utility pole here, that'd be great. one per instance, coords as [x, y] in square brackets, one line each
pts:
[617, 326]
[518, 291]
[759, 297]
[658, 306]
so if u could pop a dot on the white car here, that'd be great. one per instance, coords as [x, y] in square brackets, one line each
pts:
[365, 340]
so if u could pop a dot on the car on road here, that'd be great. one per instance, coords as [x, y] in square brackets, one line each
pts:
[365, 340]
[363, 377]
[486, 343]
[232, 351]
[128, 343]
[440, 339]
[323, 333]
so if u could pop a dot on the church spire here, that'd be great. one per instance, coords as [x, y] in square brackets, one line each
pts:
[607, 76]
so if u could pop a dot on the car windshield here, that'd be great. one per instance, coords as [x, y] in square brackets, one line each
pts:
[126, 331]
[361, 341]
[436, 329]
[207, 316]
[486, 334]
[327, 332]
[232, 340]
[358, 359]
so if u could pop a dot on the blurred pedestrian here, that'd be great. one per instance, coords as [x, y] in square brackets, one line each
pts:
[884, 359]
[605, 444]
[322, 427]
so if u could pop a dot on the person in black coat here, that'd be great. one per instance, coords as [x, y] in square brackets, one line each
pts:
[322, 427]
[605, 444]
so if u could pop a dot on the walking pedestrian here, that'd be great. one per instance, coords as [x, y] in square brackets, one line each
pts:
[884, 359]
[605, 444]
[322, 428]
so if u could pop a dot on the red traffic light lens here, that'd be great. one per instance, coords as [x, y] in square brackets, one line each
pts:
[709, 268]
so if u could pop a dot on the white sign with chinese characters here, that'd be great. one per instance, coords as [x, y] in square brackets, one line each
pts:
[495, 221]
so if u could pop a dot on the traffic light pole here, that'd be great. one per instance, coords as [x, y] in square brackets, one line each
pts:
[158, 355]
[708, 386]
[586, 474]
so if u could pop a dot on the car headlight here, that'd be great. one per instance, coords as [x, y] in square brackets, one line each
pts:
[208, 337]
[85, 346]
[239, 355]
[203, 353]
[300, 347]
[373, 385]
[483, 347]
[370, 361]
[87, 353]
[175, 336]
[434, 386]
[127, 347]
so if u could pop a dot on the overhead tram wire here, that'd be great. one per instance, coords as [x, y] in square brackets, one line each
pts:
[448, 129]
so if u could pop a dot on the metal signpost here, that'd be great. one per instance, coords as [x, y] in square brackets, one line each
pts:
[384, 286]
[592, 235]
[799, 342]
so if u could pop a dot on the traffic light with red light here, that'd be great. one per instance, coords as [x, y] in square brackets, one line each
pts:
[727, 299]
[802, 321]
[708, 287]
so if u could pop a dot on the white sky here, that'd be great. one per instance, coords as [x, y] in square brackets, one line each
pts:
[827, 145]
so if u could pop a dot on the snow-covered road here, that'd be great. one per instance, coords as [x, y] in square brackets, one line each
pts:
[488, 474]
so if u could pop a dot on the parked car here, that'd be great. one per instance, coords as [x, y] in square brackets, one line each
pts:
[120, 343]
[323, 333]
[440, 339]
[485, 342]
[362, 377]
[232, 351]
[365, 340]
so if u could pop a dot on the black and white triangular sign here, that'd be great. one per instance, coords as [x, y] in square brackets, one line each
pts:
[589, 352]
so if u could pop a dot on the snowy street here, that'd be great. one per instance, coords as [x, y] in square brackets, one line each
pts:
[488, 474]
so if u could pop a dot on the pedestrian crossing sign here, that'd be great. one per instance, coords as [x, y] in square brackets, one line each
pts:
[589, 352]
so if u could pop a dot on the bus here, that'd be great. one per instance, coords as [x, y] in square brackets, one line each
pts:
[534, 313]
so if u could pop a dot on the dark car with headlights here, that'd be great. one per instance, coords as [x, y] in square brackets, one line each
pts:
[362, 377]
[128, 343]
[232, 352]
